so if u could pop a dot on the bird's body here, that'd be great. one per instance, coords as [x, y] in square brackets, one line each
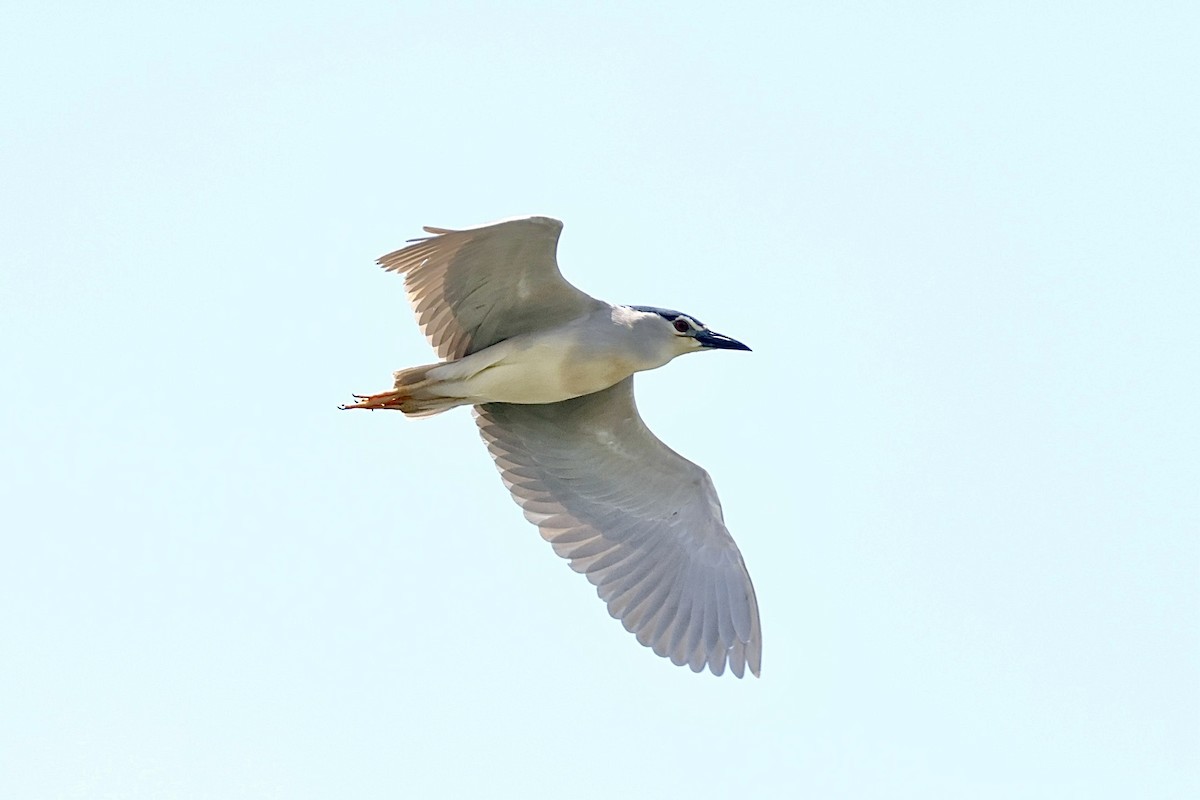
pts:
[549, 371]
[570, 360]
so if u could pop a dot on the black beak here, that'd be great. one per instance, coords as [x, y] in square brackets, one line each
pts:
[719, 342]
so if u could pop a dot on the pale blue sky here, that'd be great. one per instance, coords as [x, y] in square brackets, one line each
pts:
[961, 462]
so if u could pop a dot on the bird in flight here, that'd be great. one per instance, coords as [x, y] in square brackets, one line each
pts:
[549, 371]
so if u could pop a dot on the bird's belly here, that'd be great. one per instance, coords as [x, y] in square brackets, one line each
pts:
[544, 374]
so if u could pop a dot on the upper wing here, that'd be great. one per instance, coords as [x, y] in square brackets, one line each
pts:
[478, 286]
[642, 522]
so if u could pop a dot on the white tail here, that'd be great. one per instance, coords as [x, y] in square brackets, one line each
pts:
[416, 394]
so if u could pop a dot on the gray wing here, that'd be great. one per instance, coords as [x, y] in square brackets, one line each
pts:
[474, 287]
[642, 522]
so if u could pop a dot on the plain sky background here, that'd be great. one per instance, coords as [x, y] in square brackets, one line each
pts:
[961, 462]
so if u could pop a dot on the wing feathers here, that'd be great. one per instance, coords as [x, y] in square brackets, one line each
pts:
[641, 522]
[474, 287]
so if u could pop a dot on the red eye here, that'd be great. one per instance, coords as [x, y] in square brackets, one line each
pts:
[682, 326]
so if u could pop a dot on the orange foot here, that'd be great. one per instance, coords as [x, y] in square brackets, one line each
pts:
[391, 400]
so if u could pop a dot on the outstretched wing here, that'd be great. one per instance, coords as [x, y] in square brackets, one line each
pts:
[475, 287]
[642, 522]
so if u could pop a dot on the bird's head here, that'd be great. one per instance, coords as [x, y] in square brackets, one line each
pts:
[687, 334]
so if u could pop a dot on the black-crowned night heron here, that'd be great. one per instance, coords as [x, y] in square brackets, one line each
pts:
[549, 370]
